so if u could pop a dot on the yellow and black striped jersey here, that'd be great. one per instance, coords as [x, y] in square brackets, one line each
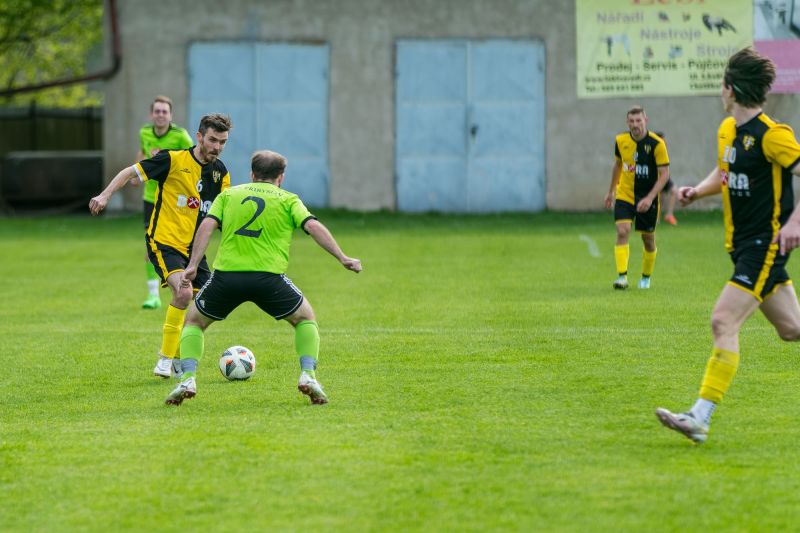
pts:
[185, 192]
[755, 162]
[640, 161]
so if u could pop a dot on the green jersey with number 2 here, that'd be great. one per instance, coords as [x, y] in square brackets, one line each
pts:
[257, 221]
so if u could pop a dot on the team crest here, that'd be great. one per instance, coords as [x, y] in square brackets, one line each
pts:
[647, 148]
[217, 175]
[748, 141]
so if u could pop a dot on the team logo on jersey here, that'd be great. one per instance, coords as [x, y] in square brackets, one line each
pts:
[647, 148]
[748, 142]
[193, 203]
[181, 200]
[217, 175]
[723, 176]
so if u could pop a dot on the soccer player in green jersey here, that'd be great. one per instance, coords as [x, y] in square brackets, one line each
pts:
[257, 221]
[159, 134]
[756, 158]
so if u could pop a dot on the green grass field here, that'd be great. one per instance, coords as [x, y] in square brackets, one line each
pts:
[483, 376]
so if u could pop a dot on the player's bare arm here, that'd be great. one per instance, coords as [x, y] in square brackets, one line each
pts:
[663, 177]
[99, 202]
[139, 156]
[612, 190]
[712, 184]
[788, 237]
[325, 239]
[199, 246]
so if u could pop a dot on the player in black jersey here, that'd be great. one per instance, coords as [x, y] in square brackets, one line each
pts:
[641, 168]
[756, 158]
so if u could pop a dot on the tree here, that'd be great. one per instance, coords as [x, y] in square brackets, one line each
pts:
[48, 40]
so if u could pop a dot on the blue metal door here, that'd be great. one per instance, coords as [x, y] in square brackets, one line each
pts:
[277, 97]
[470, 126]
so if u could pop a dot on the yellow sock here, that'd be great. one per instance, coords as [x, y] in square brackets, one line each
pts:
[649, 262]
[621, 253]
[171, 340]
[720, 370]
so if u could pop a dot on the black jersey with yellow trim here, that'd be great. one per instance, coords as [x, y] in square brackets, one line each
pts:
[186, 189]
[640, 161]
[755, 161]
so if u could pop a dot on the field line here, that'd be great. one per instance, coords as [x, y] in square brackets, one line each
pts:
[594, 251]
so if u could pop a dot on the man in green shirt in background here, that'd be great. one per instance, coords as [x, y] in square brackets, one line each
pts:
[159, 134]
[257, 221]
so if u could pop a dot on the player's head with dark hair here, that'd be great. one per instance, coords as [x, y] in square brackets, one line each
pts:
[212, 136]
[215, 121]
[636, 110]
[162, 100]
[267, 165]
[749, 76]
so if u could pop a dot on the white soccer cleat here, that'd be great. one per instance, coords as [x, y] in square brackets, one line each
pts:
[644, 283]
[163, 367]
[186, 389]
[311, 388]
[684, 423]
[621, 283]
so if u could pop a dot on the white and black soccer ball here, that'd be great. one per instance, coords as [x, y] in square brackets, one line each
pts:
[237, 363]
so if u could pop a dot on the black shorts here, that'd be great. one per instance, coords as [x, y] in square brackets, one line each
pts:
[275, 294]
[644, 222]
[668, 186]
[759, 269]
[167, 260]
[148, 212]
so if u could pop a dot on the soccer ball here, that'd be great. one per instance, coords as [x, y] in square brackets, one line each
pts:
[237, 363]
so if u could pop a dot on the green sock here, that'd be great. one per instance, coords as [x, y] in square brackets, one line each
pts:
[192, 341]
[306, 343]
[151, 271]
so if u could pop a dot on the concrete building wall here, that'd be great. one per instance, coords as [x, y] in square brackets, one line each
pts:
[156, 36]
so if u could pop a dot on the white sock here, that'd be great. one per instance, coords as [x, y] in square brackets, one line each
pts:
[702, 410]
[152, 286]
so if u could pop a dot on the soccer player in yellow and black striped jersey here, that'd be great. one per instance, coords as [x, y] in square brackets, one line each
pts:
[756, 158]
[188, 182]
[641, 169]
[158, 134]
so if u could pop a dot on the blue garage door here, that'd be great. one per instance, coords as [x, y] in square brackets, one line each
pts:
[277, 97]
[470, 126]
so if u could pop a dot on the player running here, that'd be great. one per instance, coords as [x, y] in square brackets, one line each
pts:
[756, 158]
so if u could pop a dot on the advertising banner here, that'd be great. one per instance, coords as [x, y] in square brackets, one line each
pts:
[776, 32]
[657, 47]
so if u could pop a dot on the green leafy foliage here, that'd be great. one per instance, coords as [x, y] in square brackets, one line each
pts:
[48, 40]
